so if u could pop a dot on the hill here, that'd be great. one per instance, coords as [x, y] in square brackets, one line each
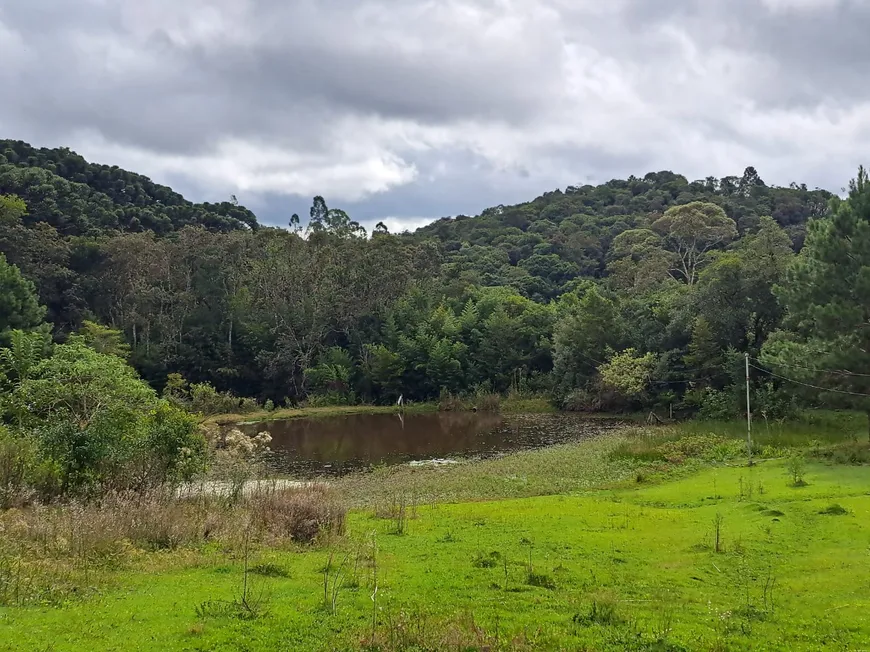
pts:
[76, 197]
[541, 247]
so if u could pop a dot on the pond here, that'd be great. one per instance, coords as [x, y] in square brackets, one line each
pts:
[338, 445]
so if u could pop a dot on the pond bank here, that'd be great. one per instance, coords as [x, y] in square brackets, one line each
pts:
[535, 405]
[316, 413]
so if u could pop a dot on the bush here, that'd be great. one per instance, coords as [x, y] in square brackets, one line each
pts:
[796, 467]
[488, 402]
[92, 424]
[581, 400]
[716, 405]
[269, 405]
[774, 403]
[206, 400]
[300, 514]
[448, 402]
[17, 458]
[175, 448]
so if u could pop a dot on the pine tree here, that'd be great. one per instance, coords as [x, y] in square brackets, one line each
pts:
[827, 295]
[19, 305]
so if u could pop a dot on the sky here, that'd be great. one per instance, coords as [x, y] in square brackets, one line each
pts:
[410, 110]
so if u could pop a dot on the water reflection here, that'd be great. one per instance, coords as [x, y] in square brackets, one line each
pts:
[340, 444]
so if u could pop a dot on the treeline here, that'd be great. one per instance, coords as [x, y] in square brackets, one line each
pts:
[632, 294]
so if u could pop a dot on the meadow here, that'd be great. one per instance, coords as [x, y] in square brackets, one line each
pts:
[648, 539]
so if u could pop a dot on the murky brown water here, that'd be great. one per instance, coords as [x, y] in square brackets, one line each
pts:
[338, 445]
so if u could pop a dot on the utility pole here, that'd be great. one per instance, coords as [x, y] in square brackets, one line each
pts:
[748, 415]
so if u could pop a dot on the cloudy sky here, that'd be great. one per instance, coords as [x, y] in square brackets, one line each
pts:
[415, 109]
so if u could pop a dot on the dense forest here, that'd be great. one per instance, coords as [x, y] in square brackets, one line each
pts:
[638, 293]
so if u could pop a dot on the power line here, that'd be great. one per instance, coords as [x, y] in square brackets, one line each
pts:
[798, 382]
[835, 372]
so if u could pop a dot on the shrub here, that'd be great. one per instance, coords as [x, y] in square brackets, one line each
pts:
[488, 402]
[773, 403]
[716, 405]
[581, 400]
[17, 459]
[796, 466]
[269, 406]
[300, 514]
[205, 399]
[175, 449]
[448, 402]
[92, 424]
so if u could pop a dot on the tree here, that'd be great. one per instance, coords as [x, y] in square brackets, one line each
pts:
[19, 306]
[102, 339]
[317, 215]
[12, 209]
[628, 372]
[827, 295]
[734, 294]
[100, 424]
[691, 231]
[638, 260]
[582, 338]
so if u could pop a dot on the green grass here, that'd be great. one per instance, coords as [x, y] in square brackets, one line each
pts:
[641, 555]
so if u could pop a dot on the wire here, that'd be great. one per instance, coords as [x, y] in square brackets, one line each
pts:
[835, 372]
[798, 382]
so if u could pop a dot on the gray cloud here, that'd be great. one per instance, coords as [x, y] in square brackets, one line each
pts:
[418, 108]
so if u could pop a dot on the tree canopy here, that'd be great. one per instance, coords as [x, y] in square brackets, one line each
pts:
[636, 292]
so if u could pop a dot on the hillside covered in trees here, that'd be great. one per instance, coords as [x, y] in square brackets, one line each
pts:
[635, 293]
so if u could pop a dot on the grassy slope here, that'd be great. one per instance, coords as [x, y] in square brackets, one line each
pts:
[648, 545]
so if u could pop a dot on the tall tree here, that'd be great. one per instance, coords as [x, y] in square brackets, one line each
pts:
[691, 231]
[827, 294]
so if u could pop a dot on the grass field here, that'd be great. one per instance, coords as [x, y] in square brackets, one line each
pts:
[623, 554]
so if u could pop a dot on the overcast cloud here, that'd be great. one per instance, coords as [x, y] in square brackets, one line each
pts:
[415, 109]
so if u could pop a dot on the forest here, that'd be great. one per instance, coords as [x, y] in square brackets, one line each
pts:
[638, 294]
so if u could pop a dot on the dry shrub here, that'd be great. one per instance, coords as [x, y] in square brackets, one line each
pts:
[302, 514]
[109, 527]
[448, 402]
[489, 402]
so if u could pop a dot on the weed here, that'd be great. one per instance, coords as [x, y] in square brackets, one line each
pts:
[718, 545]
[542, 580]
[834, 509]
[251, 604]
[399, 509]
[333, 580]
[448, 537]
[603, 610]
[486, 561]
[269, 570]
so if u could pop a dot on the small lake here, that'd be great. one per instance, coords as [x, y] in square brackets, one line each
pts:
[339, 445]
